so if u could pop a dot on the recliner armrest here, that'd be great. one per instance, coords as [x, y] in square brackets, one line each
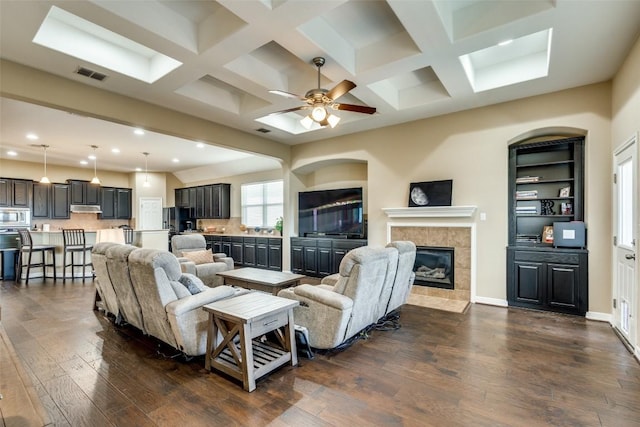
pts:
[186, 304]
[187, 266]
[324, 296]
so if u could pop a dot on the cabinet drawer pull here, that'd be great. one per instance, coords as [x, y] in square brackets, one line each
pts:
[270, 322]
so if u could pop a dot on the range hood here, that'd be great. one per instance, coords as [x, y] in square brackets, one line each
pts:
[85, 209]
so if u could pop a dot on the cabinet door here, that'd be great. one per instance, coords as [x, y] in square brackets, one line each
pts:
[226, 246]
[262, 253]
[324, 261]
[182, 197]
[217, 245]
[297, 259]
[107, 203]
[338, 254]
[249, 252]
[21, 193]
[563, 286]
[528, 282]
[123, 203]
[5, 192]
[41, 201]
[60, 201]
[275, 255]
[77, 189]
[208, 202]
[221, 203]
[199, 192]
[310, 260]
[237, 247]
[92, 194]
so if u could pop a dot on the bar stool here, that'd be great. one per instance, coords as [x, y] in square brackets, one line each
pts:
[28, 248]
[75, 243]
[128, 235]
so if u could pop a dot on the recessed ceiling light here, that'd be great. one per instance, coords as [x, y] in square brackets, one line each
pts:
[200, 145]
[84, 162]
[138, 132]
[32, 136]
[11, 153]
[175, 160]
[138, 169]
[505, 42]
[91, 156]
[115, 150]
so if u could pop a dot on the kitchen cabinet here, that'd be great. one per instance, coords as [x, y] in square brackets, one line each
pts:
[41, 205]
[16, 193]
[258, 252]
[83, 192]
[60, 201]
[212, 201]
[115, 203]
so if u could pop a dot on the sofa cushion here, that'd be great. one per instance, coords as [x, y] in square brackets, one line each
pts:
[199, 257]
[192, 283]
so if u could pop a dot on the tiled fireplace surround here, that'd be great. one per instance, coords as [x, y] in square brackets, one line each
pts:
[456, 236]
[424, 227]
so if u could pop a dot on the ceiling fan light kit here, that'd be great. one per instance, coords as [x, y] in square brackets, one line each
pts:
[320, 100]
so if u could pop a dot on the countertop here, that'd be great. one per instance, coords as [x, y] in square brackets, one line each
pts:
[205, 233]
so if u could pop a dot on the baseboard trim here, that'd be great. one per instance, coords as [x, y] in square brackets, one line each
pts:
[600, 317]
[491, 301]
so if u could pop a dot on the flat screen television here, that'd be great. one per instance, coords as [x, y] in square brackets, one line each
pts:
[331, 213]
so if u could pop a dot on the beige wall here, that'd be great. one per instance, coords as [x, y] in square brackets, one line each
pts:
[34, 171]
[625, 123]
[470, 147]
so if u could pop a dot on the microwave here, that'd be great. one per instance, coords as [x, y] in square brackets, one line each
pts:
[15, 217]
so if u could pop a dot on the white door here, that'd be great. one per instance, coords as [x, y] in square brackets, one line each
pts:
[150, 213]
[626, 220]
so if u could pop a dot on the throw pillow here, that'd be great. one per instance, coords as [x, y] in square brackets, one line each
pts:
[192, 283]
[199, 257]
[179, 289]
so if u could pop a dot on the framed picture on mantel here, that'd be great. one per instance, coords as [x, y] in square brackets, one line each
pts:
[430, 193]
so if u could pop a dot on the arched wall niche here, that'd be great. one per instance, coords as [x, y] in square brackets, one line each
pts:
[547, 133]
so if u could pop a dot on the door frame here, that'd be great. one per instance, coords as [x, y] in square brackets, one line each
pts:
[614, 256]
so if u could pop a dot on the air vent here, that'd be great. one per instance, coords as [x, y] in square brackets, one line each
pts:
[263, 130]
[91, 74]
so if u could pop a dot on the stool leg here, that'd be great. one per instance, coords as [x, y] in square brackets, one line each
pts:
[84, 264]
[64, 267]
[53, 262]
[19, 267]
[28, 268]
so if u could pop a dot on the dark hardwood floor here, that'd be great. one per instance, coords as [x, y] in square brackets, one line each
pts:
[488, 367]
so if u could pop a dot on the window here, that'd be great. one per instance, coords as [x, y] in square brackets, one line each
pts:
[262, 203]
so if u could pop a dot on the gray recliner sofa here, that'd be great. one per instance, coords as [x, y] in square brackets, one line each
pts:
[207, 272]
[334, 314]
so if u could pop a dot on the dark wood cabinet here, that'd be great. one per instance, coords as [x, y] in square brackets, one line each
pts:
[50, 201]
[237, 250]
[41, 205]
[548, 279]
[546, 186]
[211, 201]
[84, 193]
[275, 254]
[115, 203]
[249, 252]
[320, 257]
[60, 201]
[16, 193]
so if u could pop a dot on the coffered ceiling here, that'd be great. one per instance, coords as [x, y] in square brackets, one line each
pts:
[218, 60]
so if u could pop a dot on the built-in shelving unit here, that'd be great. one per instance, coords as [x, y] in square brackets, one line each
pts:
[546, 186]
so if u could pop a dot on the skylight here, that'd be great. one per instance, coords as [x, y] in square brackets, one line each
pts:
[72, 35]
[525, 58]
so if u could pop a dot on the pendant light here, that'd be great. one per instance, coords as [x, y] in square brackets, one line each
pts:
[95, 179]
[146, 171]
[44, 179]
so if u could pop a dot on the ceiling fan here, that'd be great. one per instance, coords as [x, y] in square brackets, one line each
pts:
[320, 101]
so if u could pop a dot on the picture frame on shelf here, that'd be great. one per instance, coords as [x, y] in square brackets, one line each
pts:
[430, 193]
[547, 234]
[564, 192]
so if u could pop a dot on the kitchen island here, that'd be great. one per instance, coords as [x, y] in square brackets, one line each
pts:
[153, 239]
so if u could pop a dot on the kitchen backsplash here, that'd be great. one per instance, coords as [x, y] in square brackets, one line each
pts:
[89, 222]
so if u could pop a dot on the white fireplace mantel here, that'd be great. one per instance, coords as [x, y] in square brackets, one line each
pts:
[431, 212]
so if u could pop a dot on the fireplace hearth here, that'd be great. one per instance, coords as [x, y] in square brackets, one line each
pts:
[434, 267]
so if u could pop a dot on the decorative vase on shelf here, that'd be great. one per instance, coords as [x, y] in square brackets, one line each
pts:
[278, 225]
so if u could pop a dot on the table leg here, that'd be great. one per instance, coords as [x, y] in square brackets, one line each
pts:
[212, 338]
[290, 339]
[248, 373]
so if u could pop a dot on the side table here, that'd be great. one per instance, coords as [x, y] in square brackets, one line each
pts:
[250, 316]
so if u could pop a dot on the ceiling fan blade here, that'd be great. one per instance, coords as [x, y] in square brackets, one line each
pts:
[285, 94]
[356, 108]
[302, 107]
[340, 89]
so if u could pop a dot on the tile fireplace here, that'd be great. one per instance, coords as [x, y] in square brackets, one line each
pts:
[434, 266]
